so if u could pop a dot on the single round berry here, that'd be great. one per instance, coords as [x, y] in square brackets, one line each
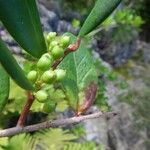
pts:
[45, 62]
[52, 44]
[51, 36]
[32, 76]
[41, 96]
[64, 41]
[60, 74]
[48, 76]
[57, 52]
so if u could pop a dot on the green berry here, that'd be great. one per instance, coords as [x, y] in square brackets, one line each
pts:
[51, 36]
[32, 76]
[45, 62]
[48, 76]
[41, 96]
[57, 52]
[49, 106]
[60, 74]
[52, 44]
[64, 41]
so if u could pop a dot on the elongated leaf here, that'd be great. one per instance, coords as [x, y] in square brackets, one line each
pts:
[12, 67]
[21, 19]
[80, 71]
[4, 88]
[101, 10]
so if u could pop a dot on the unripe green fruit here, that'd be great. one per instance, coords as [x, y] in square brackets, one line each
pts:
[41, 96]
[49, 106]
[64, 41]
[51, 36]
[48, 76]
[60, 74]
[45, 62]
[32, 76]
[52, 44]
[57, 52]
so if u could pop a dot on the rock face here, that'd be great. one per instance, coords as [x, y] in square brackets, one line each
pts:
[118, 133]
[122, 132]
[130, 129]
[115, 53]
[51, 20]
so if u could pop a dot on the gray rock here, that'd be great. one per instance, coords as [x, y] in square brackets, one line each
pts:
[120, 132]
[51, 21]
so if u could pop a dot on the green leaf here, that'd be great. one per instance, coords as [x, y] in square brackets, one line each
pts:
[21, 19]
[101, 10]
[80, 70]
[4, 88]
[12, 67]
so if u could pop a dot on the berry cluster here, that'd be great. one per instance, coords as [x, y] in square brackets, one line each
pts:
[44, 75]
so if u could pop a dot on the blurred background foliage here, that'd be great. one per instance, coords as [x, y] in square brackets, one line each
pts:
[121, 48]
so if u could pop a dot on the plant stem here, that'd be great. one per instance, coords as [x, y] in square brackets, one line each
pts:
[26, 109]
[54, 124]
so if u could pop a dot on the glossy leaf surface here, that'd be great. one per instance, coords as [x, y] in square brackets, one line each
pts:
[4, 88]
[21, 19]
[101, 10]
[12, 67]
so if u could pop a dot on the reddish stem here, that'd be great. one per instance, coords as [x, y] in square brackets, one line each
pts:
[73, 47]
[26, 109]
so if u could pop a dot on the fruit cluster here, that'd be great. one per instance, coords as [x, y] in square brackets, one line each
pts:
[44, 75]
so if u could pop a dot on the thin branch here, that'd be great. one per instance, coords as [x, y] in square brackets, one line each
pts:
[53, 124]
[26, 109]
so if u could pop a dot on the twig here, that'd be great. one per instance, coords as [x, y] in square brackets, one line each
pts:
[53, 124]
[26, 109]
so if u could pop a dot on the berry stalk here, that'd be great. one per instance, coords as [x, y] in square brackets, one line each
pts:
[26, 109]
